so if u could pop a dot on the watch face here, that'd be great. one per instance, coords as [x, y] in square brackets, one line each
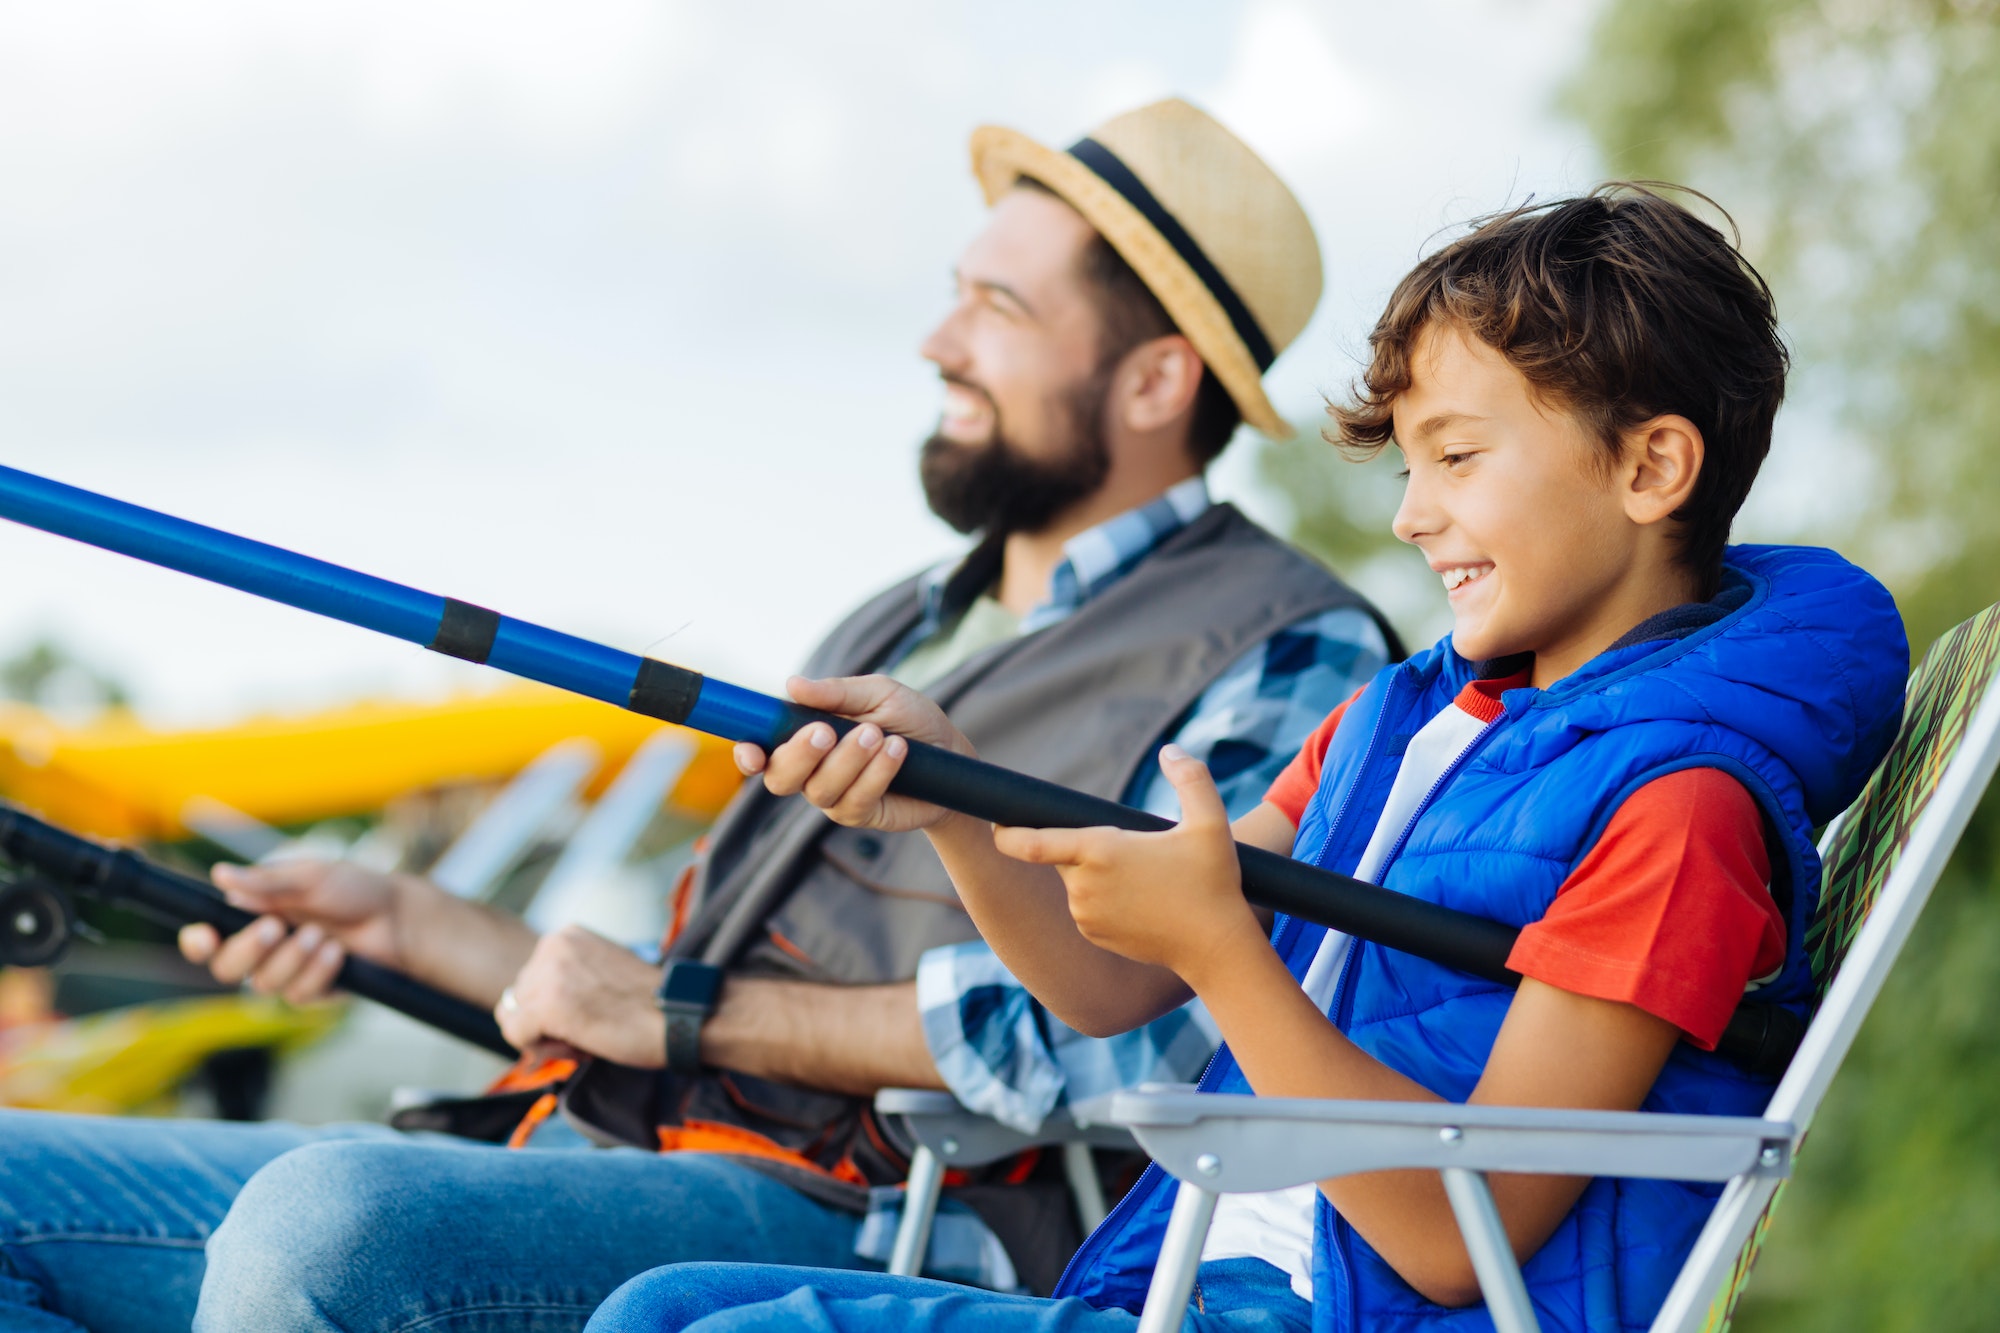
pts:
[690, 983]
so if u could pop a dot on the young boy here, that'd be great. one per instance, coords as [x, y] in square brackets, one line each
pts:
[1622, 749]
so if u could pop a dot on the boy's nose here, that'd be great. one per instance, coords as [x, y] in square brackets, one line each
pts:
[1416, 518]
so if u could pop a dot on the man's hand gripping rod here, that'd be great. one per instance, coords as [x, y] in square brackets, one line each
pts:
[645, 685]
[78, 866]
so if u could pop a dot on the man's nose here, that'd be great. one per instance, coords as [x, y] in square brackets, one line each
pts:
[943, 346]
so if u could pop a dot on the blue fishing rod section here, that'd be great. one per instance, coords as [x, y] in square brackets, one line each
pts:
[443, 624]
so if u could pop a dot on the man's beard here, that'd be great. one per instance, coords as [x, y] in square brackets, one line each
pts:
[994, 488]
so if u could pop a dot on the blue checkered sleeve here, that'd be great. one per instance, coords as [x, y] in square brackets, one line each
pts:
[1250, 723]
[1004, 1055]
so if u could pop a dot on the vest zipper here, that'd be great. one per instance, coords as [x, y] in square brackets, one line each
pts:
[1472, 747]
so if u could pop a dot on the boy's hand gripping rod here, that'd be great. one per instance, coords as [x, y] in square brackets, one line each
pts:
[645, 685]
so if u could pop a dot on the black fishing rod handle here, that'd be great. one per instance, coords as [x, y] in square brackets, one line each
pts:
[1441, 934]
[176, 900]
[182, 899]
[1002, 796]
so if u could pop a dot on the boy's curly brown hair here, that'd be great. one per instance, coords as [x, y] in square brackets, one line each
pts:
[1617, 306]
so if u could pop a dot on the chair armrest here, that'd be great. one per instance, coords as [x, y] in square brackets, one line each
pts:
[1237, 1144]
[962, 1137]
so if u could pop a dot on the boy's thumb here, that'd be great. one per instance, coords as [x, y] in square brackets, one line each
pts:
[1201, 803]
[846, 695]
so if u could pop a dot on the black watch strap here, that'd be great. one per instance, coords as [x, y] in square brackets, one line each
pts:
[686, 997]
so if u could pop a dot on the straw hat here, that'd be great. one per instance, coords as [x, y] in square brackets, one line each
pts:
[1201, 220]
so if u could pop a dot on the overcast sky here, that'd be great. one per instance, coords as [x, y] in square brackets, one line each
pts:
[605, 314]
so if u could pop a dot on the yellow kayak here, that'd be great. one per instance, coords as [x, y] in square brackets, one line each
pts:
[117, 778]
[130, 1059]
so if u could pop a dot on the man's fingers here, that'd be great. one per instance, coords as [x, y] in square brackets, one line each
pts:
[263, 888]
[749, 759]
[1201, 803]
[316, 976]
[283, 965]
[245, 886]
[240, 954]
[199, 942]
[520, 1030]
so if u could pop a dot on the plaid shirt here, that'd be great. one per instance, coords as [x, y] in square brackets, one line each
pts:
[999, 1051]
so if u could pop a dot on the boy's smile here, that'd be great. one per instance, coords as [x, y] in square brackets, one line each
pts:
[1457, 576]
[1545, 542]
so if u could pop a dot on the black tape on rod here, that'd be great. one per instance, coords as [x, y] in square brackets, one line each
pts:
[663, 690]
[466, 631]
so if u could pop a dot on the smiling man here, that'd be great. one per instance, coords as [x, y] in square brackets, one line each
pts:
[1109, 328]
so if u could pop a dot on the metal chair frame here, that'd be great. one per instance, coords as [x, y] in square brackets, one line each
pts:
[947, 1134]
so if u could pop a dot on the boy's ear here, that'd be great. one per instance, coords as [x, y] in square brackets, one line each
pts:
[1663, 463]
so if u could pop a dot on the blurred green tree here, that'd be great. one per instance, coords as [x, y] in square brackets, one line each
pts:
[49, 675]
[1857, 142]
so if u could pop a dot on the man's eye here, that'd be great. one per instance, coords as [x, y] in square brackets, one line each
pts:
[1403, 473]
[1453, 460]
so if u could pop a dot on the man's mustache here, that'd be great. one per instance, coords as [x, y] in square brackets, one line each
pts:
[971, 386]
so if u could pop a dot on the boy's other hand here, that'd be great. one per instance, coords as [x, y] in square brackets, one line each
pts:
[311, 915]
[1173, 899]
[848, 776]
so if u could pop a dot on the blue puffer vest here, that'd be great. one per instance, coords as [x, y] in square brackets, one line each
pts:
[1796, 691]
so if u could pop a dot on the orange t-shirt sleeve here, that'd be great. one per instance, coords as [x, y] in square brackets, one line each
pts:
[1293, 789]
[1670, 911]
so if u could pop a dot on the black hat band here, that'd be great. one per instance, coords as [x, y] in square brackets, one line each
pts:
[1113, 172]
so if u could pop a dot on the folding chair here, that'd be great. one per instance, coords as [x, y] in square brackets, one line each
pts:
[1882, 858]
[948, 1134]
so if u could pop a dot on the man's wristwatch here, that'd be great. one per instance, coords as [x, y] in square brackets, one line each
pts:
[686, 997]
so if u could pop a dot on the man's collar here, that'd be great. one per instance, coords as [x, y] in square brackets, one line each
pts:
[1092, 560]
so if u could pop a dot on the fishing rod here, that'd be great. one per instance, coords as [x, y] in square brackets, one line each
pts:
[1758, 1037]
[37, 918]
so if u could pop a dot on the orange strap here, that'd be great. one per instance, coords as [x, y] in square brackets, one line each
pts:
[714, 1136]
[544, 1107]
[683, 898]
[527, 1074]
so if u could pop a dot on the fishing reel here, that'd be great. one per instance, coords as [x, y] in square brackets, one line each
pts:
[37, 920]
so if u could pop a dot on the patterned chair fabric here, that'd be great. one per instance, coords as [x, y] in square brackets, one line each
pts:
[1869, 839]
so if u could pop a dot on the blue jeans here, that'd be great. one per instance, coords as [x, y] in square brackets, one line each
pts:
[119, 1225]
[1231, 1296]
